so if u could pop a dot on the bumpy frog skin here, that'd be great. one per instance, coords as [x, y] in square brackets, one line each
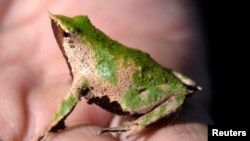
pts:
[122, 80]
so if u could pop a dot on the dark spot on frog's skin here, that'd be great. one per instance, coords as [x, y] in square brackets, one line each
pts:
[59, 126]
[104, 102]
[140, 90]
[84, 92]
[71, 43]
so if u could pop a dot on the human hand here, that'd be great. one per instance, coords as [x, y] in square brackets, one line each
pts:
[34, 76]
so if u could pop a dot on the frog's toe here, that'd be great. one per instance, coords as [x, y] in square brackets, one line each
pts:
[106, 130]
[122, 128]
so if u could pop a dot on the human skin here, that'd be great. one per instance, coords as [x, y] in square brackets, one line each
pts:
[34, 76]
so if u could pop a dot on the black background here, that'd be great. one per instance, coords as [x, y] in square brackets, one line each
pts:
[226, 39]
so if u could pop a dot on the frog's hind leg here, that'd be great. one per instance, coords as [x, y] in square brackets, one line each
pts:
[168, 107]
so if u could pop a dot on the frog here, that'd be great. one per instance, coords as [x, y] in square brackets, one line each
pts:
[120, 79]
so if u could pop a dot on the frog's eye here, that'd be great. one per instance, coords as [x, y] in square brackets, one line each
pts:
[65, 34]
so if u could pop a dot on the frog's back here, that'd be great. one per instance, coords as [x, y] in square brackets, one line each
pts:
[116, 63]
[110, 54]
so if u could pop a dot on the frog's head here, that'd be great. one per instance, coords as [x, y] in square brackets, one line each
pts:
[78, 25]
[73, 35]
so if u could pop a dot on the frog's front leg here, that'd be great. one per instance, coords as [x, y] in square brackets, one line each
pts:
[67, 105]
[168, 107]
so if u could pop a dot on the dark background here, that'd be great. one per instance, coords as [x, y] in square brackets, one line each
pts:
[223, 25]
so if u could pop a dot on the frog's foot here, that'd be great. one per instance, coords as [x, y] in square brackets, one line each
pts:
[163, 110]
[122, 128]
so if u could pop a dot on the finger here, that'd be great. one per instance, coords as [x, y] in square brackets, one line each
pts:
[81, 133]
[13, 107]
[180, 131]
